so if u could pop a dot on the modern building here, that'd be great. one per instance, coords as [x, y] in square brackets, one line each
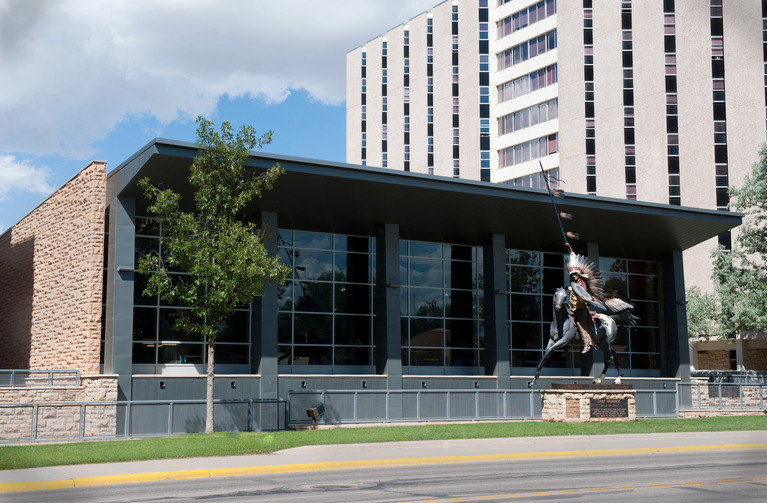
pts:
[660, 101]
[399, 281]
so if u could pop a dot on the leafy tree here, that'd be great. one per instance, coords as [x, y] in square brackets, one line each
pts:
[223, 256]
[739, 302]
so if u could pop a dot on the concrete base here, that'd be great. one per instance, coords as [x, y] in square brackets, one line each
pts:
[580, 403]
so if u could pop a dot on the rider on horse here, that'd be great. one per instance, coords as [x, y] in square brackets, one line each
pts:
[586, 290]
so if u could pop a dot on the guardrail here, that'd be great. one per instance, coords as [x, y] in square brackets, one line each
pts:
[39, 378]
[390, 406]
[719, 395]
[31, 422]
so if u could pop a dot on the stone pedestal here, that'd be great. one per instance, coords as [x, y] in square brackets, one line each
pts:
[580, 403]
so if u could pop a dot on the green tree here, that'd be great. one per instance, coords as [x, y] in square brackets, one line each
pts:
[222, 255]
[739, 302]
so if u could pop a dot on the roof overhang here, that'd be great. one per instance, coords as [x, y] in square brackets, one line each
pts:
[344, 198]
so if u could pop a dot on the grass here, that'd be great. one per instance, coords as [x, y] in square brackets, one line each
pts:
[232, 444]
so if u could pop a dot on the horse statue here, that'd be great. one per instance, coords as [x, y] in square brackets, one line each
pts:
[563, 332]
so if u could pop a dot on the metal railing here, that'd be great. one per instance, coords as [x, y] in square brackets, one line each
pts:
[719, 395]
[376, 406]
[389, 406]
[46, 421]
[39, 378]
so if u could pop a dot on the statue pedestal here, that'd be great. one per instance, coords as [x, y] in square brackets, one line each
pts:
[580, 403]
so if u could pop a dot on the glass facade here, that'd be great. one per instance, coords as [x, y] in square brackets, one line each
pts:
[326, 310]
[156, 345]
[326, 307]
[532, 278]
[636, 282]
[441, 304]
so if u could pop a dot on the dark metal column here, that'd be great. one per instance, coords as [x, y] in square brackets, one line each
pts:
[118, 329]
[675, 351]
[263, 331]
[496, 322]
[387, 306]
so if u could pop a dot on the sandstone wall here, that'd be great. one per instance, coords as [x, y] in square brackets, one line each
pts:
[38, 418]
[51, 276]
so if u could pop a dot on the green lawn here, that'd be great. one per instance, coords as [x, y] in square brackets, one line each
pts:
[230, 444]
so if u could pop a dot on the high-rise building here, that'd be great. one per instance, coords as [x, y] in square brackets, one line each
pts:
[661, 101]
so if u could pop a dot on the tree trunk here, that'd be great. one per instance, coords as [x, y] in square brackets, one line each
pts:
[209, 388]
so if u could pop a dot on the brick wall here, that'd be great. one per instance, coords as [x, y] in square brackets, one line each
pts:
[757, 359]
[714, 359]
[51, 274]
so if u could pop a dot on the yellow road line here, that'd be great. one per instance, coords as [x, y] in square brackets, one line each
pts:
[591, 490]
[199, 473]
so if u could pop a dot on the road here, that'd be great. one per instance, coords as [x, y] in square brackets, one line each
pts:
[679, 468]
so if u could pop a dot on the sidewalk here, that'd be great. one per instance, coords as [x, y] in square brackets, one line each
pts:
[350, 456]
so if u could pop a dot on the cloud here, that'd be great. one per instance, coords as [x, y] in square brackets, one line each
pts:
[20, 175]
[71, 72]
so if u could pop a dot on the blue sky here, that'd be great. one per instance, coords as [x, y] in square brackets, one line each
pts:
[81, 83]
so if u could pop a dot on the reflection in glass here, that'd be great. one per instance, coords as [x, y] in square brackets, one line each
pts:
[427, 357]
[426, 332]
[352, 356]
[167, 331]
[353, 330]
[236, 329]
[525, 279]
[312, 355]
[180, 353]
[313, 240]
[423, 249]
[425, 272]
[525, 307]
[313, 265]
[426, 302]
[144, 324]
[526, 335]
[144, 352]
[642, 287]
[314, 297]
[232, 354]
[312, 329]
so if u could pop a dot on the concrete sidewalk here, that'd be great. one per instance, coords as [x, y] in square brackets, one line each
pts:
[350, 456]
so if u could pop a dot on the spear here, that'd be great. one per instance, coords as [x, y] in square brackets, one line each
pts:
[556, 212]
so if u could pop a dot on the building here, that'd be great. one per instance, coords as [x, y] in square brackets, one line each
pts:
[660, 101]
[400, 281]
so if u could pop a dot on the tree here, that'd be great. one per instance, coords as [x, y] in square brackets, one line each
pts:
[223, 256]
[739, 302]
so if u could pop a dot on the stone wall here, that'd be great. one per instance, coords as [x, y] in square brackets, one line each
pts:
[575, 406]
[51, 277]
[714, 359]
[55, 412]
[757, 359]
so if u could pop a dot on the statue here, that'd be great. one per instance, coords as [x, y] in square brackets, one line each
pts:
[577, 322]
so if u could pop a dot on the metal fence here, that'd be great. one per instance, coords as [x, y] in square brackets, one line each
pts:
[29, 422]
[39, 378]
[720, 395]
[383, 406]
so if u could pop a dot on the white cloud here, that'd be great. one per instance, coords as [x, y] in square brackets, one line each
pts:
[20, 175]
[72, 71]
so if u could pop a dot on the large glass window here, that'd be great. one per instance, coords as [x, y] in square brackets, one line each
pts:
[326, 307]
[156, 344]
[532, 279]
[636, 282]
[441, 305]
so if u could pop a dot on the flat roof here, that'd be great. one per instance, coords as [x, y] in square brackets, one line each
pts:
[326, 196]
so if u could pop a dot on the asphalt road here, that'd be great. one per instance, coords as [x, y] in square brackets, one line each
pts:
[661, 467]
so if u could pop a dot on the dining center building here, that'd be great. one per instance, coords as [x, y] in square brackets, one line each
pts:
[400, 281]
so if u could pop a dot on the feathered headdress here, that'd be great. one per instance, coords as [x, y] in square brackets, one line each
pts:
[589, 272]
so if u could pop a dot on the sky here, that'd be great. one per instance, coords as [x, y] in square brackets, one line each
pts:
[84, 80]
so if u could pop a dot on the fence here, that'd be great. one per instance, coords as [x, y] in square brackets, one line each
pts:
[383, 406]
[720, 395]
[39, 378]
[29, 422]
